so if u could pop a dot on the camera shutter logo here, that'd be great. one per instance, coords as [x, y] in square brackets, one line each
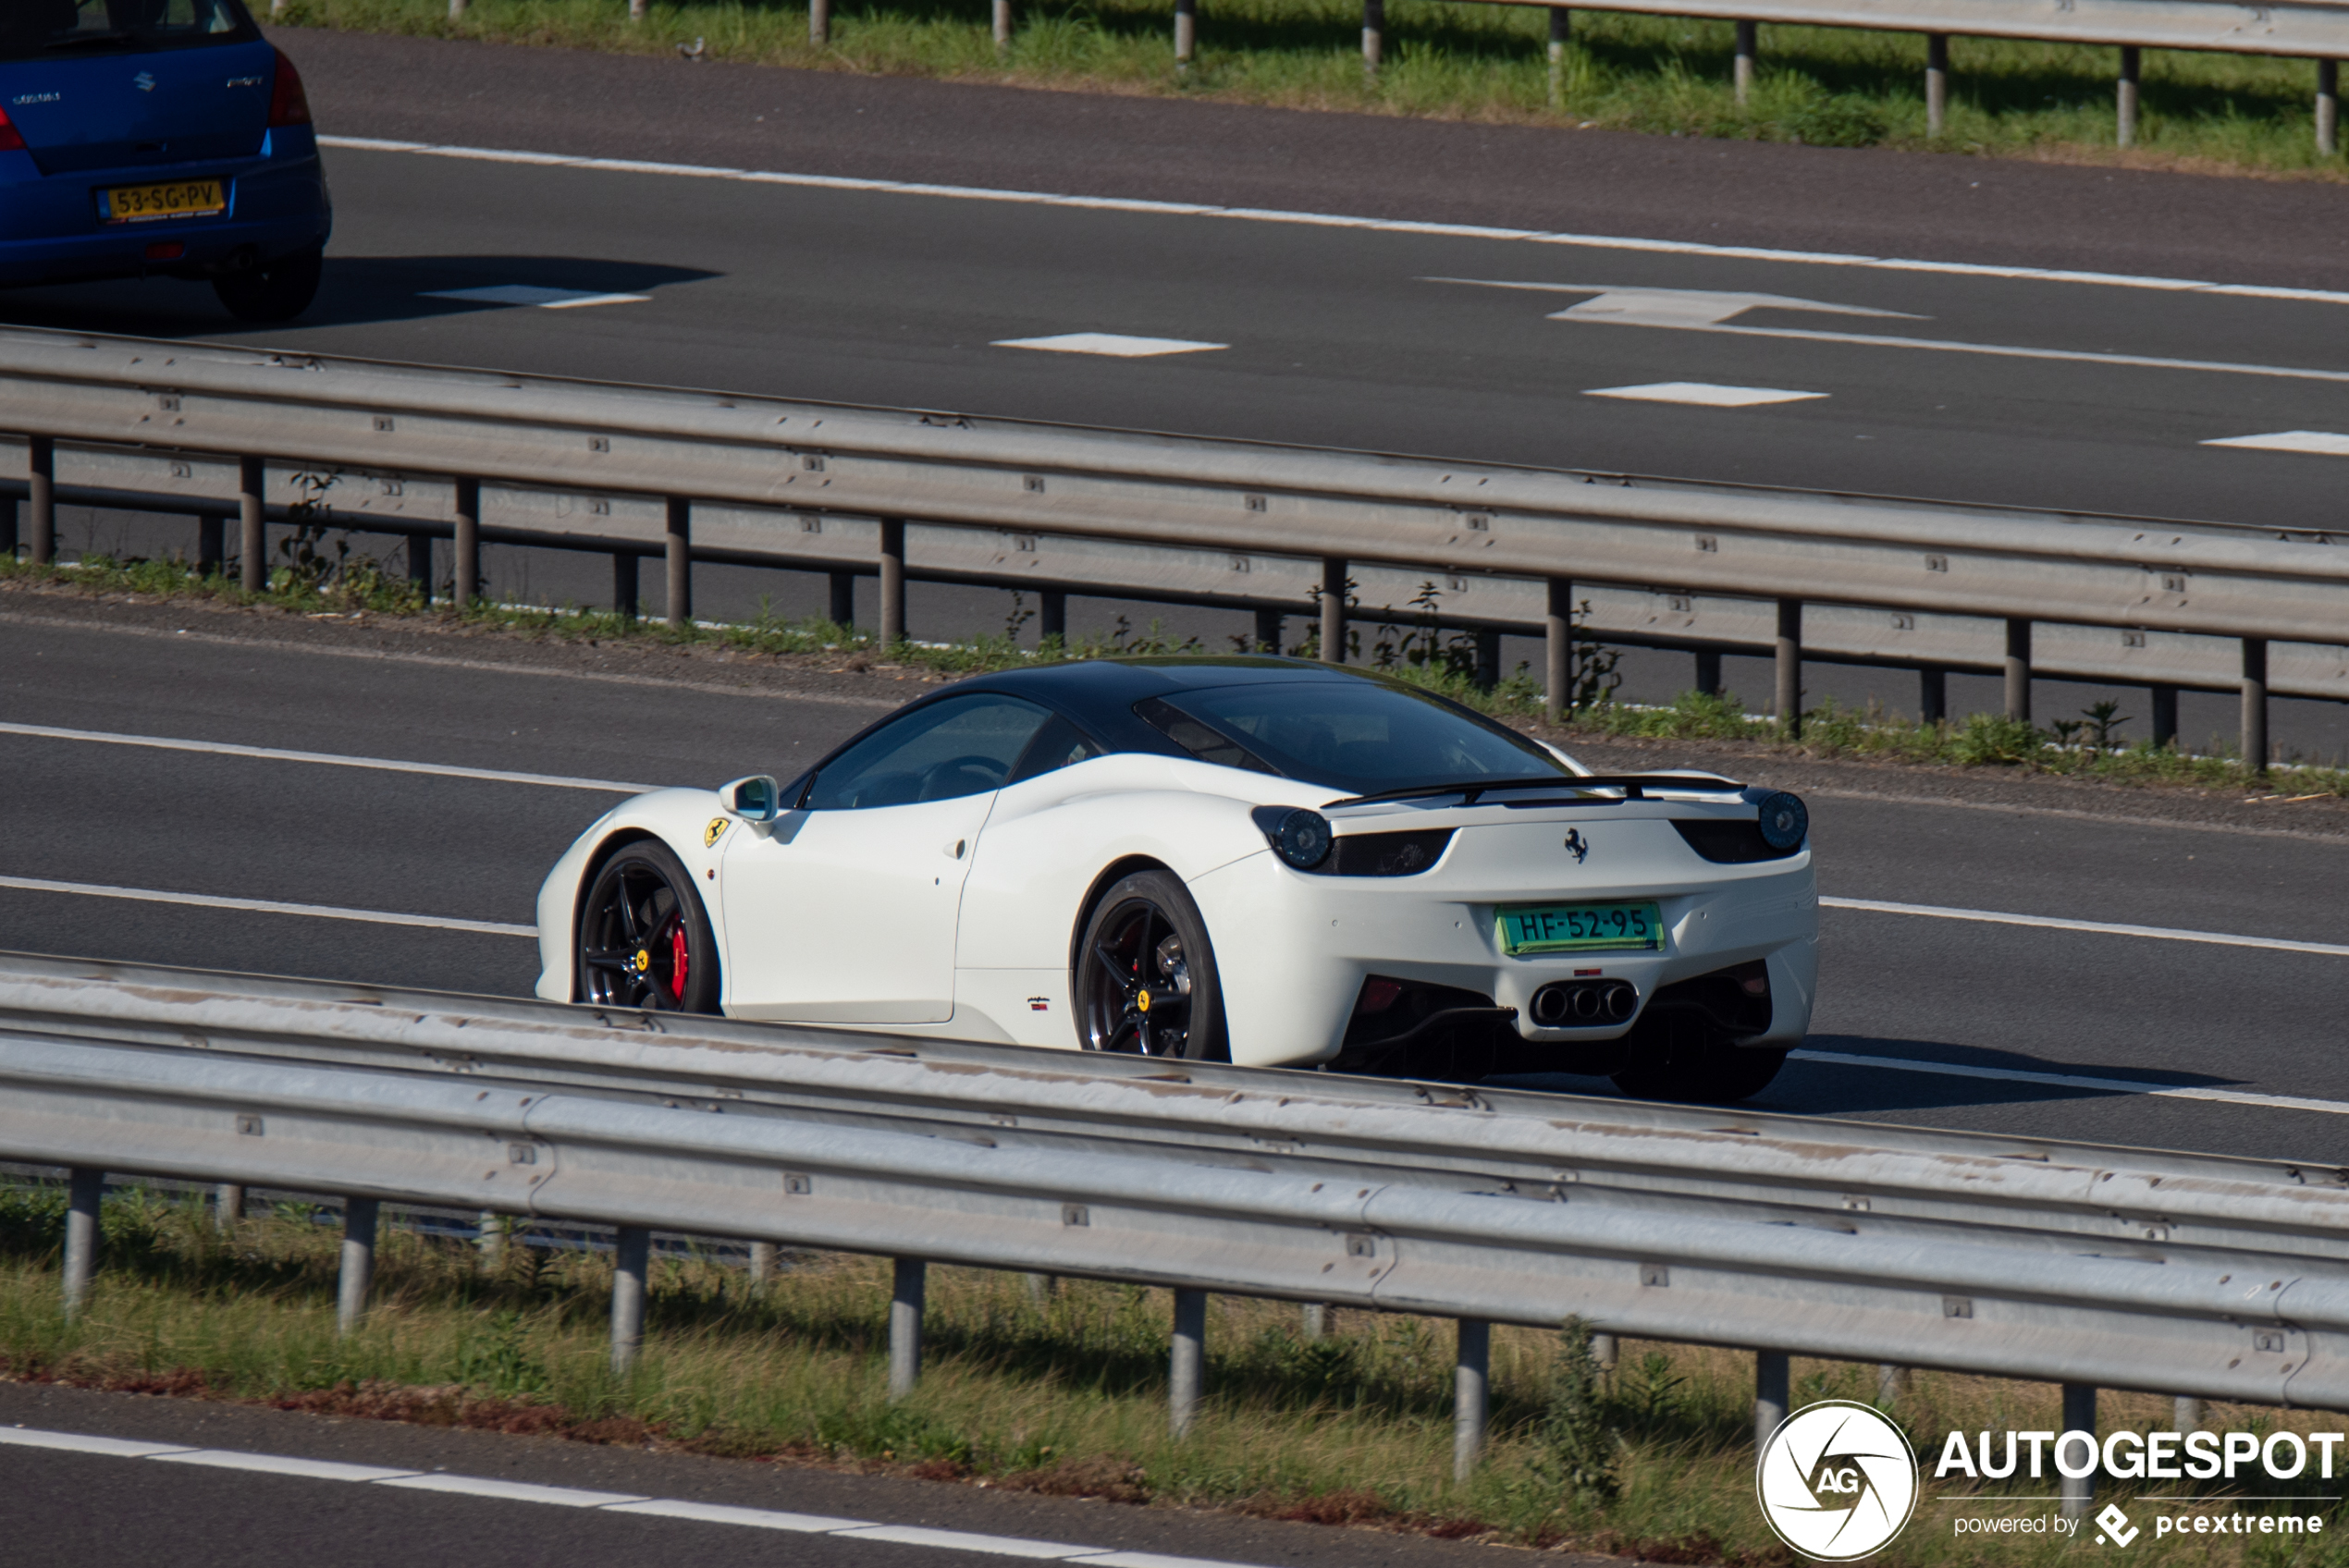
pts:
[1837, 1481]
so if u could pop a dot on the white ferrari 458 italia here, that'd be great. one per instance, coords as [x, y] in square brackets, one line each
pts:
[1256, 860]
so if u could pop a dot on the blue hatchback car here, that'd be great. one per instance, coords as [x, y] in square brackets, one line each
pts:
[145, 136]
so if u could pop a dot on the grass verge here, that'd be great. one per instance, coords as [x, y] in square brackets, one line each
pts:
[1063, 1395]
[1415, 648]
[1821, 86]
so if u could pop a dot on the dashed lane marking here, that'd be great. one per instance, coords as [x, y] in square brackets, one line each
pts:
[1113, 345]
[267, 906]
[531, 294]
[2075, 1080]
[1334, 220]
[1704, 395]
[2096, 928]
[325, 759]
[2318, 443]
[607, 1502]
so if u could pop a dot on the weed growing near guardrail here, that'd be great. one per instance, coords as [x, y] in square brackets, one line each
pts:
[1821, 86]
[1060, 1393]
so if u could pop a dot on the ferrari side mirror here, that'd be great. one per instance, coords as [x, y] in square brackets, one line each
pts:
[755, 799]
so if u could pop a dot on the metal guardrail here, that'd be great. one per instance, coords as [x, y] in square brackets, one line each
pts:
[2028, 1258]
[477, 455]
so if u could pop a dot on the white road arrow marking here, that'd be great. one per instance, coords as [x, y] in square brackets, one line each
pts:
[1631, 306]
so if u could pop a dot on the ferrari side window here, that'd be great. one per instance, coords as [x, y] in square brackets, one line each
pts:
[1207, 744]
[1059, 745]
[962, 746]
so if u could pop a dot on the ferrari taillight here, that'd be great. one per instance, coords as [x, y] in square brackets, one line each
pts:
[288, 104]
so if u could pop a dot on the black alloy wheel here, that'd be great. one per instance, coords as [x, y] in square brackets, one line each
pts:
[1678, 1054]
[1146, 981]
[644, 939]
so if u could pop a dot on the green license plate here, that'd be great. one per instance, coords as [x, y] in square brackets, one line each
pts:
[1576, 928]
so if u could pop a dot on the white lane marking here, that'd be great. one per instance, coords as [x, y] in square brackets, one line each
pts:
[2322, 442]
[1114, 345]
[1702, 393]
[612, 1502]
[512, 1491]
[2096, 927]
[1688, 311]
[324, 759]
[727, 1513]
[530, 294]
[77, 1442]
[280, 1465]
[1631, 306]
[2073, 1081]
[1332, 220]
[267, 906]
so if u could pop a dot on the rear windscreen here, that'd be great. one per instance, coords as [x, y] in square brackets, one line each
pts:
[54, 30]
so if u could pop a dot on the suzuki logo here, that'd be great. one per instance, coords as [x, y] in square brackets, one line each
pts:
[144, 81]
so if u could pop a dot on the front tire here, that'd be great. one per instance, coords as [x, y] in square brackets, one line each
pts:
[644, 940]
[1146, 981]
[1677, 1054]
[279, 291]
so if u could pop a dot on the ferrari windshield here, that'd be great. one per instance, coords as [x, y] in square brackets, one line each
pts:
[1360, 736]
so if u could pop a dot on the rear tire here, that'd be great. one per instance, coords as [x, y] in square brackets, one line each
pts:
[644, 939]
[278, 291]
[1677, 1054]
[1145, 982]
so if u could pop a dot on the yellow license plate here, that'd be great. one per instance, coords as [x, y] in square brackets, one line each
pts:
[145, 203]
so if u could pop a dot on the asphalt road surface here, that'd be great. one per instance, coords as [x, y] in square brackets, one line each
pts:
[1913, 996]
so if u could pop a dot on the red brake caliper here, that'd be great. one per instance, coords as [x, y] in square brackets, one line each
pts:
[678, 958]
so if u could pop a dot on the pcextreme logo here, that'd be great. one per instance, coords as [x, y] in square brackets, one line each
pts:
[1837, 1480]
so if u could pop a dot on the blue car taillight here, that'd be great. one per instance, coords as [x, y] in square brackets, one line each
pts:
[11, 139]
[289, 105]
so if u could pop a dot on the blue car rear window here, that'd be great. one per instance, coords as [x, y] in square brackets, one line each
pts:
[49, 29]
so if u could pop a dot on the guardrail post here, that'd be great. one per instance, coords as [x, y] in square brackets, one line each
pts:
[2185, 1413]
[1332, 610]
[359, 1218]
[2079, 1492]
[1187, 1365]
[1558, 648]
[1789, 667]
[819, 23]
[1708, 671]
[1271, 628]
[253, 532]
[1471, 1373]
[893, 582]
[1932, 693]
[762, 1261]
[420, 563]
[2126, 132]
[1488, 660]
[489, 1239]
[636, 11]
[1003, 26]
[1051, 615]
[1892, 1382]
[1769, 1393]
[2019, 669]
[1937, 82]
[1374, 36]
[1561, 28]
[681, 562]
[84, 1189]
[841, 611]
[1313, 1320]
[626, 583]
[41, 506]
[2254, 703]
[1603, 1352]
[2165, 714]
[2328, 107]
[631, 1260]
[467, 555]
[210, 545]
[908, 1287]
[228, 1206]
[1041, 1289]
[9, 533]
[1749, 45]
[1186, 32]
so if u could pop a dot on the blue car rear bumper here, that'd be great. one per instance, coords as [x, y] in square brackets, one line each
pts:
[50, 231]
